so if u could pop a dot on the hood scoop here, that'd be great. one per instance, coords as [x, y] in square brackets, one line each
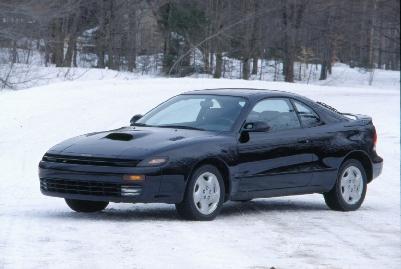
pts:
[120, 136]
[176, 138]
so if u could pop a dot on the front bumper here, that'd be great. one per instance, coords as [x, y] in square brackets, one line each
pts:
[103, 183]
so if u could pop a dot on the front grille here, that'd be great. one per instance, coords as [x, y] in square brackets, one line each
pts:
[80, 187]
[90, 160]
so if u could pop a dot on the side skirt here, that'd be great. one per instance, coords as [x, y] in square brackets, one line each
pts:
[246, 195]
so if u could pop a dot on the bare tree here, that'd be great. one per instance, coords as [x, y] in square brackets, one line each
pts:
[193, 36]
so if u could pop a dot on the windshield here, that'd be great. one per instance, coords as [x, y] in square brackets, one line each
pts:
[200, 112]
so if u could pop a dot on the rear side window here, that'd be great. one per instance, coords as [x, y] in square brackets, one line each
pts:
[307, 116]
[278, 114]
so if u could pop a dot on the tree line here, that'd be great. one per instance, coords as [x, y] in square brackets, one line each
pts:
[196, 36]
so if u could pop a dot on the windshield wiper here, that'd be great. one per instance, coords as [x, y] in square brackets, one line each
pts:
[141, 124]
[180, 127]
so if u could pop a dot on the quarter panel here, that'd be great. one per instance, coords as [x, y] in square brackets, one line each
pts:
[331, 144]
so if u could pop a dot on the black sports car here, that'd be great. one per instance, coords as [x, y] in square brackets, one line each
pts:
[202, 148]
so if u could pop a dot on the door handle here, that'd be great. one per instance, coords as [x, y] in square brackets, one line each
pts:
[303, 141]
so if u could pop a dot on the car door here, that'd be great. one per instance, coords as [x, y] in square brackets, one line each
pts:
[278, 158]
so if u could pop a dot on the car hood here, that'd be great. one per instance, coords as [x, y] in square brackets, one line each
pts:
[128, 142]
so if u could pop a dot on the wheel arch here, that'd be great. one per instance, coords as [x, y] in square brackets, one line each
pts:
[223, 169]
[364, 159]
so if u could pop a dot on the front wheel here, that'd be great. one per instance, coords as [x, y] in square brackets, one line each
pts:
[204, 195]
[86, 206]
[350, 188]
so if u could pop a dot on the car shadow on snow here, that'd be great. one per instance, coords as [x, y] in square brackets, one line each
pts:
[233, 209]
[162, 212]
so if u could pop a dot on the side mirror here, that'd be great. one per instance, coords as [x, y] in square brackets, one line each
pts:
[135, 119]
[257, 126]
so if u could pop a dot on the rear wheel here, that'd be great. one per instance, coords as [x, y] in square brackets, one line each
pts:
[350, 188]
[204, 195]
[86, 206]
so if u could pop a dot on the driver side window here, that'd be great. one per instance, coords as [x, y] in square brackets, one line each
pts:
[278, 114]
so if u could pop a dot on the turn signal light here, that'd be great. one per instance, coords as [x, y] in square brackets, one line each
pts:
[134, 177]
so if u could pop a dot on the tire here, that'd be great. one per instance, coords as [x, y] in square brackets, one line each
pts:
[86, 206]
[204, 195]
[347, 194]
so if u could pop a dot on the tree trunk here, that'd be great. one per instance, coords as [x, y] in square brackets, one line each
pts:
[70, 51]
[166, 54]
[110, 55]
[362, 61]
[100, 40]
[58, 43]
[288, 63]
[132, 40]
[245, 69]
[323, 71]
[254, 46]
[168, 57]
[185, 63]
[211, 62]
[288, 48]
[14, 53]
[289, 68]
[206, 60]
[111, 41]
[47, 53]
[371, 40]
[219, 64]
[100, 36]
[325, 62]
[73, 21]
[371, 37]
[100, 58]
[255, 66]
[74, 59]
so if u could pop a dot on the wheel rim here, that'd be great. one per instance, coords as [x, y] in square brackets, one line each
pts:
[206, 193]
[351, 185]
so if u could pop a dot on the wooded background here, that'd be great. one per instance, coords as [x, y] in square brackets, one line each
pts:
[185, 37]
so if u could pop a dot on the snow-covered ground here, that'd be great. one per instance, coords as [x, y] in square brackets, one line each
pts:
[288, 232]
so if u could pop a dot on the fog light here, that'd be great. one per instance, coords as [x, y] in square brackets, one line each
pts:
[130, 190]
[134, 177]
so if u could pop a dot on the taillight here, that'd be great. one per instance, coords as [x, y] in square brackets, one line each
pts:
[374, 137]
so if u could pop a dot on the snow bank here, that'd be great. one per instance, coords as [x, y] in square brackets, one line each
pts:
[22, 76]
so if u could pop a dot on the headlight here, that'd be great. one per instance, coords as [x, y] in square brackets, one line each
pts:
[154, 161]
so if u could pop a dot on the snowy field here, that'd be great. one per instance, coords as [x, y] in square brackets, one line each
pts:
[288, 232]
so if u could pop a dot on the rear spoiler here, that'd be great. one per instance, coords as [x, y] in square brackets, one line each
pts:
[353, 119]
[357, 119]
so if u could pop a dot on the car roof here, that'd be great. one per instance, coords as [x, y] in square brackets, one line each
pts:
[255, 95]
[243, 92]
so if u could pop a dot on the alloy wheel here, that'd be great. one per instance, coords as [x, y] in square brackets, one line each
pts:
[206, 193]
[351, 185]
